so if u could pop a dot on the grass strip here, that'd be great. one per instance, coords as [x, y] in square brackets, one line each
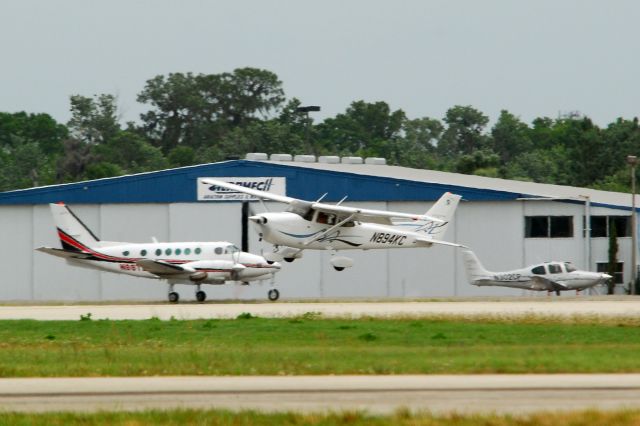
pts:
[254, 418]
[310, 345]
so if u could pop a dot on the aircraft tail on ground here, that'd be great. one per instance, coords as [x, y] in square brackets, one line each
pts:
[74, 235]
[475, 271]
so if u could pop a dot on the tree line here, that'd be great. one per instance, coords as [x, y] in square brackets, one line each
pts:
[200, 118]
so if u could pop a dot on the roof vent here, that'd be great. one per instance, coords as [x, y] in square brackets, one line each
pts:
[281, 157]
[256, 156]
[375, 161]
[329, 159]
[305, 158]
[351, 160]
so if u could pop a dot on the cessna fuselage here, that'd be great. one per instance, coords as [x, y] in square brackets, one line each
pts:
[292, 230]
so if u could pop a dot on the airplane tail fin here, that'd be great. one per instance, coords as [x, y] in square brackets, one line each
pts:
[443, 209]
[475, 271]
[74, 235]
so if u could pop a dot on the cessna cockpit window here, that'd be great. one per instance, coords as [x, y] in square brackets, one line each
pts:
[555, 268]
[232, 249]
[329, 219]
[569, 267]
[538, 270]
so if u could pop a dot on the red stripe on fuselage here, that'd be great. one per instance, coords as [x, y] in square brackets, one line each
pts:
[77, 244]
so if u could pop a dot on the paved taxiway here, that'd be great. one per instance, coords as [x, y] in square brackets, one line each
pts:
[376, 394]
[482, 308]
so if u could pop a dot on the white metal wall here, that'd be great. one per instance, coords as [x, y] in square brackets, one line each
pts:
[494, 230]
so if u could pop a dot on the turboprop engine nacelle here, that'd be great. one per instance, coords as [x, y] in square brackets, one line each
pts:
[212, 270]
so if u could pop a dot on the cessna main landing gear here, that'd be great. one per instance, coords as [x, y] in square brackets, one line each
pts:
[201, 296]
[273, 294]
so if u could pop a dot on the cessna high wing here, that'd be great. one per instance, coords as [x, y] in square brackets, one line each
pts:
[313, 225]
[549, 276]
[194, 263]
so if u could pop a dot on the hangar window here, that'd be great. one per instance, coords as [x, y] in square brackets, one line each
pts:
[622, 224]
[178, 251]
[218, 250]
[618, 276]
[143, 252]
[561, 226]
[187, 251]
[548, 227]
[125, 253]
[197, 250]
[538, 270]
[601, 226]
[167, 252]
[536, 227]
[158, 252]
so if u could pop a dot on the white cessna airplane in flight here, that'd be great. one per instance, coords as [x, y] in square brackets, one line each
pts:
[548, 276]
[194, 263]
[312, 225]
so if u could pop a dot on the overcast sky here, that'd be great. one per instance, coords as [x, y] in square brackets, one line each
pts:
[533, 58]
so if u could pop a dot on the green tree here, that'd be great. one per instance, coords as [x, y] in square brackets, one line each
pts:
[198, 110]
[94, 120]
[463, 135]
[510, 137]
[367, 129]
[130, 152]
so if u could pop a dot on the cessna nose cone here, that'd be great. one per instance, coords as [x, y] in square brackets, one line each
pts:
[275, 265]
[258, 219]
[606, 277]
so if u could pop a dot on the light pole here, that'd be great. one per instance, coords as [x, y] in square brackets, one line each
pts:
[632, 160]
[307, 109]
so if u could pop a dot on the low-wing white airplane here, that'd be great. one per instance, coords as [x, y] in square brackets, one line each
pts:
[548, 276]
[194, 263]
[313, 225]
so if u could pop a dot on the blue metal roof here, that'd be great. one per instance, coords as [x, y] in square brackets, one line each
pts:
[179, 185]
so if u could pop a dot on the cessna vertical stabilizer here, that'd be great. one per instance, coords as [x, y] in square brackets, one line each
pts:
[548, 276]
[193, 263]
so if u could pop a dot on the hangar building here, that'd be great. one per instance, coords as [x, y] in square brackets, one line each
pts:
[508, 224]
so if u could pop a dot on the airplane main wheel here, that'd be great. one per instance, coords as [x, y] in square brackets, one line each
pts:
[174, 297]
[339, 268]
[273, 295]
[270, 262]
[289, 259]
[201, 296]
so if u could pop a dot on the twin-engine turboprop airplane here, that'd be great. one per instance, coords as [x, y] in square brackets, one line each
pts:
[194, 263]
[312, 225]
[548, 276]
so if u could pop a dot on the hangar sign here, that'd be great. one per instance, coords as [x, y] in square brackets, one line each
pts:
[208, 192]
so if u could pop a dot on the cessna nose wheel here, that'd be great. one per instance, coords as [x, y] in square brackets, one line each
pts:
[273, 294]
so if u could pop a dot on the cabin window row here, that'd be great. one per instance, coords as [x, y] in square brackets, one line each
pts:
[167, 252]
